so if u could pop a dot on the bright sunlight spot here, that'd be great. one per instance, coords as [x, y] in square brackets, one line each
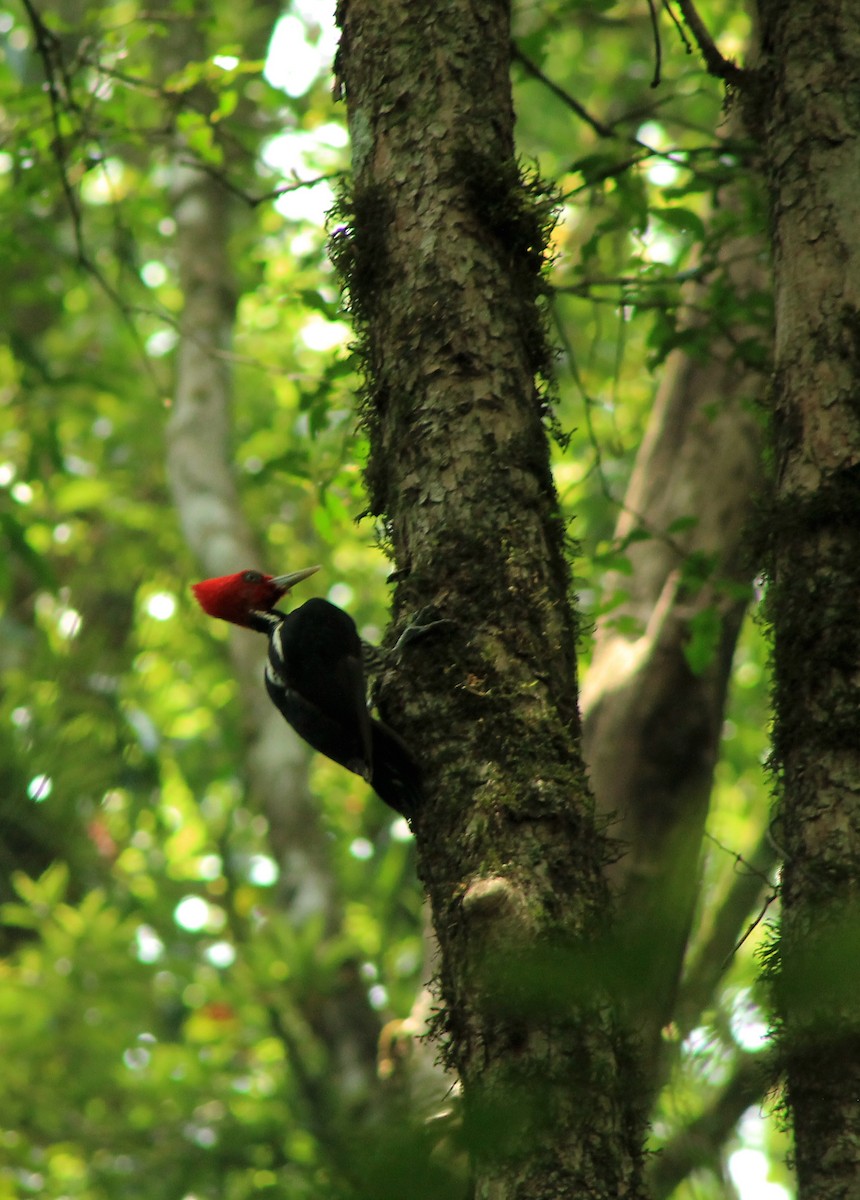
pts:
[263, 871]
[400, 831]
[319, 334]
[361, 848]
[221, 954]
[149, 945]
[105, 183]
[209, 867]
[153, 273]
[302, 46]
[227, 62]
[660, 171]
[658, 249]
[292, 65]
[21, 717]
[663, 173]
[289, 156]
[378, 996]
[161, 342]
[161, 606]
[22, 492]
[652, 134]
[341, 594]
[748, 1028]
[748, 1169]
[191, 913]
[40, 787]
[69, 623]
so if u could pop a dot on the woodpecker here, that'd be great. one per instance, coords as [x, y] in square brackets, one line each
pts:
[315, 677]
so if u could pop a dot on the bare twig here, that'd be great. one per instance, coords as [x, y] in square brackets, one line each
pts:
[715, 955]
[658, 47]
[756, 921]
[717, 65]
[678, 158]
[48, 49]
[59, 85]
[234, 189]
[534, 70]
[667, 4]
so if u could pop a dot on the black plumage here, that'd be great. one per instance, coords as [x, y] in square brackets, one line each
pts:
[315, 677]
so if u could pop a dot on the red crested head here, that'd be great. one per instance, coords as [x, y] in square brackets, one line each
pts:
[237, 597]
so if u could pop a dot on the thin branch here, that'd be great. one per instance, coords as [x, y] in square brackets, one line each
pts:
[47, 47]
[534, 70]
[667, 4]
[714, 957]
[658, 47]
[270, 367]
[754, 923]
[50, 54]
[589, 404]
[717, 65]
[678, 158]
[254, 201]
[675, 279]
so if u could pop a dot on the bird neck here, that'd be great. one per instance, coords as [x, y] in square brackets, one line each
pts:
[265, 622]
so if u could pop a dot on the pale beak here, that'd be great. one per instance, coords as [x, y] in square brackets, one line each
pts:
[284, 582]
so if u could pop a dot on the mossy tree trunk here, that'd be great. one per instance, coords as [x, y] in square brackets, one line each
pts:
[810, 125]
[441, 248]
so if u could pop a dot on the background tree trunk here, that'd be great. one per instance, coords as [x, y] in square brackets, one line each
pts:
[653, 721]
[807, 116]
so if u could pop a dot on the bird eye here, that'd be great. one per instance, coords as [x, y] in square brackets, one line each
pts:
[252, 577]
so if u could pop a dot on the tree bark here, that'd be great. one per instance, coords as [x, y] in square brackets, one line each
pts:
[442, 247]
[806, 111]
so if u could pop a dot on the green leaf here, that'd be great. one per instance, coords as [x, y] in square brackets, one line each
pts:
[682, 524]
[697, 570]
[18, 915]
[703, 641]
[13, 533]
[315, 300]
[684, 220]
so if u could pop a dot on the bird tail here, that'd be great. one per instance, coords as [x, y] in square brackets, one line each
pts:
[396, 775]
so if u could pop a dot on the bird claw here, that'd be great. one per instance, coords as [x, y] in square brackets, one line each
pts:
[375, 659]
[420, 627]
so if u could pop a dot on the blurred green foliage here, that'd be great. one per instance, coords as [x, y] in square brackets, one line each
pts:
[154, 1028]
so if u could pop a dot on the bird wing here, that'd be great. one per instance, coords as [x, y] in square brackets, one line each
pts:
[315, 652]
[351, 674]
[319, 729]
